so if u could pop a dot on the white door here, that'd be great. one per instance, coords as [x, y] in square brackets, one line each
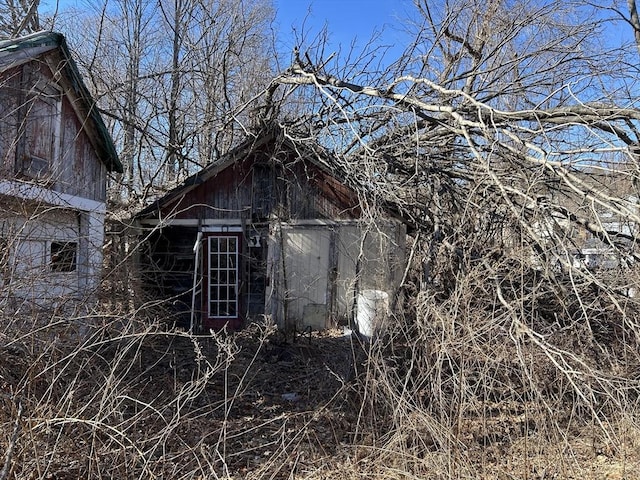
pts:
[306, 262]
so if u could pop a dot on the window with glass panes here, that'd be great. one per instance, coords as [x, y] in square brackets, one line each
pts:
[223, 277]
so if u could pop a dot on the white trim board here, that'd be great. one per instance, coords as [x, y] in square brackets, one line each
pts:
[188, 222]
[222, 229]
[27, 191]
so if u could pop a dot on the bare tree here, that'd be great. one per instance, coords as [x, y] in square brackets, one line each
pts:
[507, 138]
[176, 82]
[230, 54]
[175, 20]
[18, 17]
[479, 102]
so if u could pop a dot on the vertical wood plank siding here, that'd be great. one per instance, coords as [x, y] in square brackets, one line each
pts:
[9, 98]
[76, 169]
[297, 190]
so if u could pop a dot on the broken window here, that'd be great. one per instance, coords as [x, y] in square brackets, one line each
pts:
[63, 256]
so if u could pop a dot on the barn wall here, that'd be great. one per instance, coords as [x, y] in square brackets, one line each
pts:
[226, 196]
[311, 193]
[323, 266]
[349, 248]
[31, 276]
[257, 189]
[168, 262]
[74, 167]
[306, 263]
[314, 254]
[79, 172]
[9, 87]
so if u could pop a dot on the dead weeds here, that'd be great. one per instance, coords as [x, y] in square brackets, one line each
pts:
[144, 402]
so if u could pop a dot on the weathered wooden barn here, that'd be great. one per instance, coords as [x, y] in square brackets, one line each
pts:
[55, 153]
[269, 229]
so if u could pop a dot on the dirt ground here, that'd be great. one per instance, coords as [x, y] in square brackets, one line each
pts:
[170, 405]
[258, 404]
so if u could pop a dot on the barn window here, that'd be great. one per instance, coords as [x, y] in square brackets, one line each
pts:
[223, 276]
[63, 256]
[41, 130]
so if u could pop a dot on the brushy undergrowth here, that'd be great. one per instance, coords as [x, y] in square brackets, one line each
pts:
[497, 377]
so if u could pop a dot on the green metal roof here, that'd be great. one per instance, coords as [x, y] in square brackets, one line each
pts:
[19, 50]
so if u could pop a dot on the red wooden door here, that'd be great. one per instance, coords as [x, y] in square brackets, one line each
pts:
[222, 304]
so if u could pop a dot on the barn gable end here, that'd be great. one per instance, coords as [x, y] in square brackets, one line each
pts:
[266, 231]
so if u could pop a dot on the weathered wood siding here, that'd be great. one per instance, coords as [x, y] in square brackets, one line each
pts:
[258, 188]
[50, 130]
[168, 262]
[9, 102]
[46, 150]
[322, 267]
[28, 232]
[79, 172]
[227, 196]
[313, 253]
[306, 261]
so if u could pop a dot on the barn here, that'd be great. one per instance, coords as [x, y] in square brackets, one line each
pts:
[268, 229]
[55, 155]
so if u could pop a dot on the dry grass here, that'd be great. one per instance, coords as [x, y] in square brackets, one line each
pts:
[140, 401]
[471, 382]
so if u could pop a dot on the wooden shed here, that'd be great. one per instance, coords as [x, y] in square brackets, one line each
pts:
[55, 153]
[269, 229]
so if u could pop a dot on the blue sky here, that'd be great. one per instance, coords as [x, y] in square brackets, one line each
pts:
[346, 21]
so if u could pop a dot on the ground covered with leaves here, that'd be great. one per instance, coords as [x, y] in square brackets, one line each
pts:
[135, 399]
[164, 404]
